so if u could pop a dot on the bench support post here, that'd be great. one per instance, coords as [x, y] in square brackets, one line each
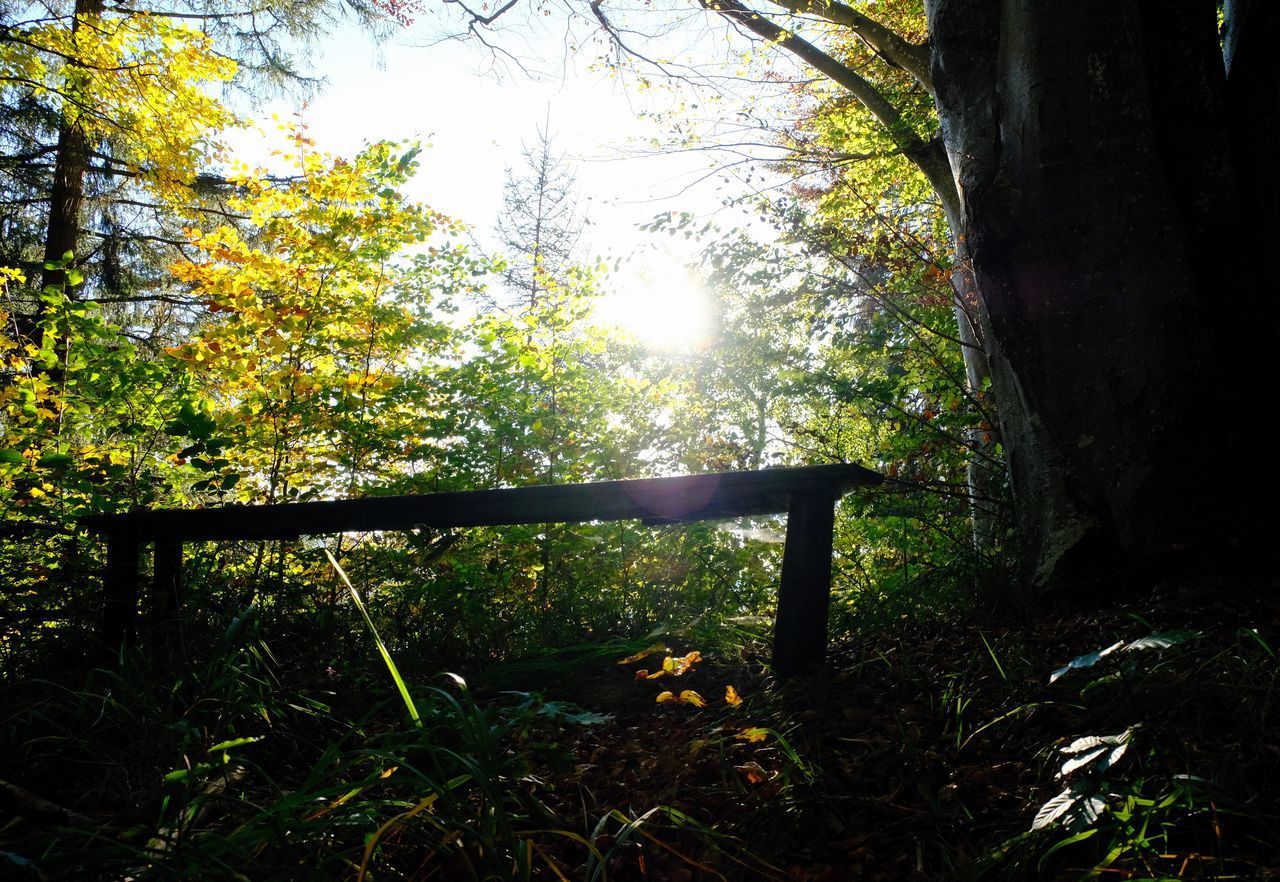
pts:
[120, 600]
[166, 581]
[804, 598]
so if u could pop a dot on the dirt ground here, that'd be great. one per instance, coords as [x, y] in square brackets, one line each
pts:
[929, 752]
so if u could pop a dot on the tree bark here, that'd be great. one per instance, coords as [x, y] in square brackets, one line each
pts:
[1253, 102]
[63, 228]
[1100, 210]
[71, 165]
[982, 479]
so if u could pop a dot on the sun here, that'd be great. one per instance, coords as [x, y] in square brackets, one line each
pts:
[661, 304]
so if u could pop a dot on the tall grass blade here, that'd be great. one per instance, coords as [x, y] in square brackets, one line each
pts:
[382, 647]
[991, 652]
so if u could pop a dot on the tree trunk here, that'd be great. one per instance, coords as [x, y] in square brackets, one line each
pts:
[71, 164]
[63, 228]
[1099, 206]
[982, 477]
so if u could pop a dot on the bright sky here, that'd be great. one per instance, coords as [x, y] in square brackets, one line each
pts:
[475, 122]
[476, 125]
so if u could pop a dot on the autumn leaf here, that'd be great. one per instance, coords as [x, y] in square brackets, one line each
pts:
[753, 735]
[688, 696]
[731, 696]
[676, 666]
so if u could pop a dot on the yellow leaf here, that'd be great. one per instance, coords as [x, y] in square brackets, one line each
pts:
[688, 696]
[753, 735]
[731, 696]
[676, 666]
[666, 698]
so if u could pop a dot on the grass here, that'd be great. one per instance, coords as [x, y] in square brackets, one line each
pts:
[273, 754]
[925, 753]
[377, 639]
[456, 792]
[229, 771]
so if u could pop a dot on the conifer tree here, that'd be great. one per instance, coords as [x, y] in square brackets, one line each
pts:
[540, 224]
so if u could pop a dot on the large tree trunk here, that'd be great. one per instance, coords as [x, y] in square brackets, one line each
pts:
[71, 165]
[63, 228]
[1101, 211]
[982, 474]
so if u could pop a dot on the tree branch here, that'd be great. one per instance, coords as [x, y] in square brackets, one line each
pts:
[197, 16]
[478, 19]
[896, 51]
[928, 156]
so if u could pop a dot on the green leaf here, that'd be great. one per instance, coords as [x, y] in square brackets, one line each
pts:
[1079, 837]
[11, 456]
[410, 155]
[183, 774]
[55, 461]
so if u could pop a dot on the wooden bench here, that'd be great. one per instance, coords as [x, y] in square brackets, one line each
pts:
[807, 495]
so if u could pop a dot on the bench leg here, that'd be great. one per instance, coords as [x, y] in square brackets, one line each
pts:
[804, 598]
[120, 600]
[166, 581]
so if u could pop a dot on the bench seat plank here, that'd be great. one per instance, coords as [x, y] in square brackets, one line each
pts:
[655, 500]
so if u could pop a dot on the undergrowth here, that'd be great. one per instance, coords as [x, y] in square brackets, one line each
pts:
[233, 769]
[1131, 743]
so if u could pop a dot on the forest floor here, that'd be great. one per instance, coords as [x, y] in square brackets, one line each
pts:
[1141, 740]
[929, 751]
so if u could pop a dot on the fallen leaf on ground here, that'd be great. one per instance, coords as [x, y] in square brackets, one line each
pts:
[688, 696]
